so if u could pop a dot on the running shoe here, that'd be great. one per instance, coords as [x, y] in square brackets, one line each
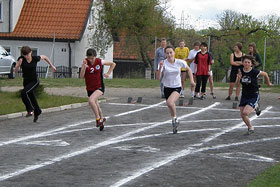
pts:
[36, 116]
[98, 123]
[175, 124]
[182, 96]
[258, 110]
[236, 98]
[228, 98]
[101, 127]
[197, 98]
[249, 132]
[203, 97]
[29, 114]
[214, 97]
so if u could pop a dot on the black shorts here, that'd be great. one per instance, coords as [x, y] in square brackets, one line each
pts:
[233, 75]
[251, 101]
[89, 92]
[169, 91]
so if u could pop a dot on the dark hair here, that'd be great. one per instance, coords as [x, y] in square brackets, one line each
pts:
[204, 44]
[196, 43]
[182, 41]
[163, 39]
[168, 47]
[91, 52]
[253, 44]
[239, 45]
[25, 50]
[251, 58]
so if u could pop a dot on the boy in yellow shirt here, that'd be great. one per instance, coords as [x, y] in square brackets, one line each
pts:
[182, 52]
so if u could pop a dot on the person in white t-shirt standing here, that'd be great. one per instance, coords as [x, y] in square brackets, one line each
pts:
[190, 59]
[171, 69]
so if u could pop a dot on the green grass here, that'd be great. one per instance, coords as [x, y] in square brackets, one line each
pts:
[12, 103]
[269, 178]
[65, 82]
[114, 83]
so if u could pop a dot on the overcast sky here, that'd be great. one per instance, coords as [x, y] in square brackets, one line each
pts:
[204, 12]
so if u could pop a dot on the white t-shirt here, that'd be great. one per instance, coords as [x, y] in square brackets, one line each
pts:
[192, 54]
[172, 73]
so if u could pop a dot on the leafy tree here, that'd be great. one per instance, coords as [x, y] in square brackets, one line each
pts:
[139, 21]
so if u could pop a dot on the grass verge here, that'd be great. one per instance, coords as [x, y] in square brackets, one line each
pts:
[115, 83]
[12, 103]
[269, 178]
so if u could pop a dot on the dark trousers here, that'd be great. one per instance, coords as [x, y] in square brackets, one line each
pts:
[201, 80]
[28, 97]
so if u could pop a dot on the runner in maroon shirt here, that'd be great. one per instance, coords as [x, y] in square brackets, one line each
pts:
[92, 71]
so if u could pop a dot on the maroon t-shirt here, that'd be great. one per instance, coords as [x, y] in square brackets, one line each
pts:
[203, 61]
[94, 75]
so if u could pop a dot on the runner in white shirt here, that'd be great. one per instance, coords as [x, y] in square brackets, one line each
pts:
[171, 68]
[190, 59]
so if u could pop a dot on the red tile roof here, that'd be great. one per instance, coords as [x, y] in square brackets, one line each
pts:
[40, 19]
[121, 51]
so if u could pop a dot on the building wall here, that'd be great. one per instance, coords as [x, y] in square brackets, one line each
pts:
[59, 58]
[4, 24]
[17, 6]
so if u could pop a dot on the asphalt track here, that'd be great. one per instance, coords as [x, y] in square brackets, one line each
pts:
[137, 147]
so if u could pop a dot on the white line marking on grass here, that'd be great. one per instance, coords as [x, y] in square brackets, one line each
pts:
[138, 110]
[244, 156]
[54, 131]
[182, 153]
[93, 147]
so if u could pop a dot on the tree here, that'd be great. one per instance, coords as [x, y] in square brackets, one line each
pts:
[140, 22]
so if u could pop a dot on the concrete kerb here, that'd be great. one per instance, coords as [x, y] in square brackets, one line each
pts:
[47, 110]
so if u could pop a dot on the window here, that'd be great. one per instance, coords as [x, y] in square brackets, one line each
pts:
[90, 18]
[8, 49]
[1, 11]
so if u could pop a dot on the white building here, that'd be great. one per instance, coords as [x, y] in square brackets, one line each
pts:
[36, 23]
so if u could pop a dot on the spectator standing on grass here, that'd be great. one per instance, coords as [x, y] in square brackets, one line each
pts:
[160, 56]
[253, 52]
[92, 71]
[248, 76]
[28, 64]
[171, 71]
[203, 63]
[236, 63]
[182, 53]
[191, 57]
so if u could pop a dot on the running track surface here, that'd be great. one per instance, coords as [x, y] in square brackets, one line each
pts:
[137, 147]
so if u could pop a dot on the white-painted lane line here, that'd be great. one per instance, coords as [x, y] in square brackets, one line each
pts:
[42, 134]
[53, 131]
[184, 153]
[59, 143]
[93, 147]
[178, 107]
[141, 109]
[234, 127]
[180, 154]
[244, 156]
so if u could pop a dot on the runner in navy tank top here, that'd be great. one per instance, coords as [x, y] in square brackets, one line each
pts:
[92, 71]
[248, 76]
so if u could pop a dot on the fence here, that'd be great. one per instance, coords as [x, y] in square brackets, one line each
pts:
[61, 72]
